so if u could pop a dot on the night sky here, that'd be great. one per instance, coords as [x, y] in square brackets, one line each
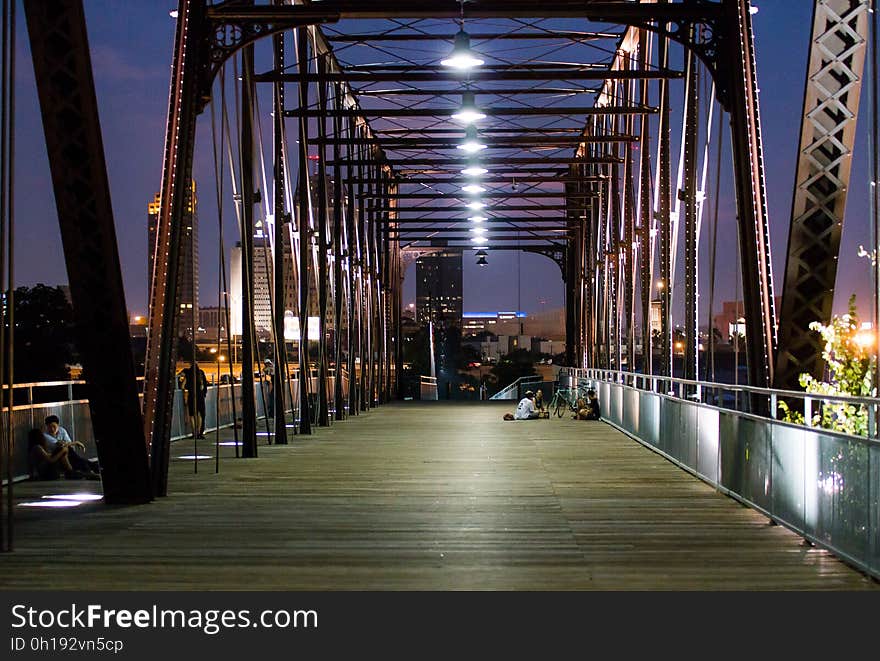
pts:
[131, 51]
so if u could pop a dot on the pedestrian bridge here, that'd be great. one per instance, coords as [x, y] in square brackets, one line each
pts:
[429, 495]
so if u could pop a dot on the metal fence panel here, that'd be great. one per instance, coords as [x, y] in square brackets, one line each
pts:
[670, 426]
[708, 451]
[616, 405]
[755, 439]
[789, 498]
[842, 499]
[631, 410]
[687, 443]
[873, 559]
[649, 417]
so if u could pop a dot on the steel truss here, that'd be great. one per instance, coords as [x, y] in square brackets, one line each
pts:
[349, 251]
[831, 108]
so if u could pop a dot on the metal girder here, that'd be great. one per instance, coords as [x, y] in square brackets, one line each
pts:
[496, 68]
[498, 142]
[463, 197]
[336, 10]
[475, 36]
[523, 111]
[575, 131]
[474, 76]
[62, 64]
[691, 247]
[741, 91]
[494, 210]
[492, 160]
[502, 91]
[412, 181]
[831, 108]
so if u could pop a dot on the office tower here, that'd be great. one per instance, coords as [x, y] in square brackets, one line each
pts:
[263, 262]
[439, 288]
[189, 277]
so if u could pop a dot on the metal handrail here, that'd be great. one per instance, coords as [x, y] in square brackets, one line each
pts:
[535, 378]
[652, 383]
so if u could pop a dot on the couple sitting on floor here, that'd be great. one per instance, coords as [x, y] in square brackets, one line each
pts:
[53, 453]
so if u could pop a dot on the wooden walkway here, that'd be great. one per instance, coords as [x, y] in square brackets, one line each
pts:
[421, 496]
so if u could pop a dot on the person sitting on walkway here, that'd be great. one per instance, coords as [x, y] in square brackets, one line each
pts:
[49, 463]
[581, 409]
[594, 410]
[526, 410]
[539, 400]
[588, 409]
[57, 437]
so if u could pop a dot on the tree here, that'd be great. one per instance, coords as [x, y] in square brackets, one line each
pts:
[849, 359]
[511, 367]
[44, 334]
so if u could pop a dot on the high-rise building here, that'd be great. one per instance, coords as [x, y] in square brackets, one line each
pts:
[263, 262]
[189, 280]
[439, 288]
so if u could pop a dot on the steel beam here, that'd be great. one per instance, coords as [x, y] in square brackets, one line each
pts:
[63, 69]
[524, 111]
[475, 36]
[248, 338]
[751, 196]
[492, 160]
[302, 63]
[476, 76]
[691, 262]
[280, 373]
[502, 91]
[497, 142]
[828, 130]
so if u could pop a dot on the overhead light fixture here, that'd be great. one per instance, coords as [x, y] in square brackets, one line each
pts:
[482, 261]
[476, 205]
[472, 143]
[479, 239]
[473, 189]
[468, 113]
[478, 230]
[477, 219]
[474, 171]
[462, 57]
[480, 247]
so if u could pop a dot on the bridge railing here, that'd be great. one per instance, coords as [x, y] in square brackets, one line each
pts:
[517, 389]
[428, 388]
[820, 483]
[33, 402]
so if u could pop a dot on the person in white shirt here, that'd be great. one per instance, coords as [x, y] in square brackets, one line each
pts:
[526, 409]
[57, 437]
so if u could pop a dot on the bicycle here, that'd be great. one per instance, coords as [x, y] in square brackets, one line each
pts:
[564, 399]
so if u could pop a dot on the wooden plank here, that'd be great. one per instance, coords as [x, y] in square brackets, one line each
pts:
[422, 496]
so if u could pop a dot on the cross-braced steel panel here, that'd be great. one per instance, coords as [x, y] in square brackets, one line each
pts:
[831, 107]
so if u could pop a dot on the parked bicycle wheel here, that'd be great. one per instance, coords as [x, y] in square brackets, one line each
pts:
[560, 407]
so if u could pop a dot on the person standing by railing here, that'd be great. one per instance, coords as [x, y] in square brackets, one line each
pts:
[195, 385]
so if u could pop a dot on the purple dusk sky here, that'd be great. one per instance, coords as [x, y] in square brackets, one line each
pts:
[131, 51]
